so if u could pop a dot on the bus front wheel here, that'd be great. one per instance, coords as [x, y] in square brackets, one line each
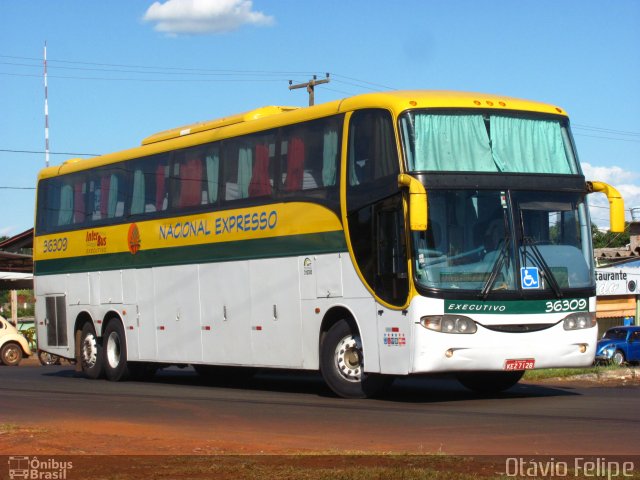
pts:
[489, 382]
[90, 352]
[342, 364]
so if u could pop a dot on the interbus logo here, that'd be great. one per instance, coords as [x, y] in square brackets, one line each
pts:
[96, 242]
[133, 239]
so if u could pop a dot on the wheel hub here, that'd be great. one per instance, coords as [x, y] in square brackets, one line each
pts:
[89, 351]
[348, 358]
[113, 350]
[11, 355]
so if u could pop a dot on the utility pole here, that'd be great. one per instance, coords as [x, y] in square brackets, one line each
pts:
[46, 111]
[310, 86]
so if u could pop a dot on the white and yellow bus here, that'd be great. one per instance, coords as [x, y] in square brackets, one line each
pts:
[382, 235]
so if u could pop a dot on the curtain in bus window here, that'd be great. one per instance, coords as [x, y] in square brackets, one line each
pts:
[295, 165]
[212, 165]
[260, 184]
[190, 183]
[244, 171]
[329, 156]
[78, 202]
[112, 207]
[160, 188]
[528, 146]
[65, 214]
[137, 200]
[452, 142]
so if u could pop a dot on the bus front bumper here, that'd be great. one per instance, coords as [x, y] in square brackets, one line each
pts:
[492, 350]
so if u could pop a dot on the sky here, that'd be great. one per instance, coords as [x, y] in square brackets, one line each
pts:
[121, 70]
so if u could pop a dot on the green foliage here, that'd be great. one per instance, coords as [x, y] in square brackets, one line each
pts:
[609, 239]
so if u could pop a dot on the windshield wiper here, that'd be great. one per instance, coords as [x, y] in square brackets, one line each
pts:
[497, 267]
[539, 259]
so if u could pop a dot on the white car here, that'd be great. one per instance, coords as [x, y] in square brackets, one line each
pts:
[13, 346]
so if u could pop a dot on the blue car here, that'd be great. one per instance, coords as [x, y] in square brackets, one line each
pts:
[619, 345]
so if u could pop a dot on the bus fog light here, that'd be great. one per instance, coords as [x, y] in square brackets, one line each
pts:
[582, 347]
[449, 353]
[449, 324]
[579, 321]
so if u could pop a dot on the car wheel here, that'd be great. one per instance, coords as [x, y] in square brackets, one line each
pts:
[11, 354]
[618, 358]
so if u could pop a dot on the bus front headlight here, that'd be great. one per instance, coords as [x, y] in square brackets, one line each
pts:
[449, 324]
[579, 321]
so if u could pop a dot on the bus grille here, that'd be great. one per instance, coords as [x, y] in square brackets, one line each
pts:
[530, 327]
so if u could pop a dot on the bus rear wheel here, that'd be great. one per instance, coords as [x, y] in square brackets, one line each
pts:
[90, 352]
[489, 382]
[115, 352]
[342, 364]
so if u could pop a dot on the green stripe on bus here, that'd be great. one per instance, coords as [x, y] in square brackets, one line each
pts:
[289, 246]
[509, 307]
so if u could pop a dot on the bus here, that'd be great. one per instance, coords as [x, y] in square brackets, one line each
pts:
[383, 235]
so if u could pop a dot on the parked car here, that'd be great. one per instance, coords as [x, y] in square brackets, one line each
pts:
[13, 345]
[619, 345]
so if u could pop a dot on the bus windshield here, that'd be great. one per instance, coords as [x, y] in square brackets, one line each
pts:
[486, 142]
[495, 241]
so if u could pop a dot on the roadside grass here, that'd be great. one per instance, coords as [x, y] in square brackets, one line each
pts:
[8, 428]
[546, 373]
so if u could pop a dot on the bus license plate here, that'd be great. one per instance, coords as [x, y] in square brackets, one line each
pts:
[523, 364]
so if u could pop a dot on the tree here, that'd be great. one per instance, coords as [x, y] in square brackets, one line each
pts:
[609, 239]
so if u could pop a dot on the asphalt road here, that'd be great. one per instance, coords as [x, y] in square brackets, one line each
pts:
[293, 412]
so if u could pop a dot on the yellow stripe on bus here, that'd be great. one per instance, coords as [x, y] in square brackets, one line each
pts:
[266, 221]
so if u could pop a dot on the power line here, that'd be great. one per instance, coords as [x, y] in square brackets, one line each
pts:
[149, 80]
[607, 138]
[50, 153]
[155, 67]
[17, 188]
[604, 130]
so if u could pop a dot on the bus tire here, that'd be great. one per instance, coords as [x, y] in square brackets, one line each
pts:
[342, 364]
[489, 382]
[115, 352]
[90, 352]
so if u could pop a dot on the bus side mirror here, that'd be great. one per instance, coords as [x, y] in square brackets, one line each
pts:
[616, 204]
[417, 202]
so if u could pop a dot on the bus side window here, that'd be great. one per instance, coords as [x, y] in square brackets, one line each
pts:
[309, 157]
[372, 149]
[248, 170]
[106, 195]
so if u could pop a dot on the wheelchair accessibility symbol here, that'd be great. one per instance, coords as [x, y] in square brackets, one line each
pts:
[530, 277]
